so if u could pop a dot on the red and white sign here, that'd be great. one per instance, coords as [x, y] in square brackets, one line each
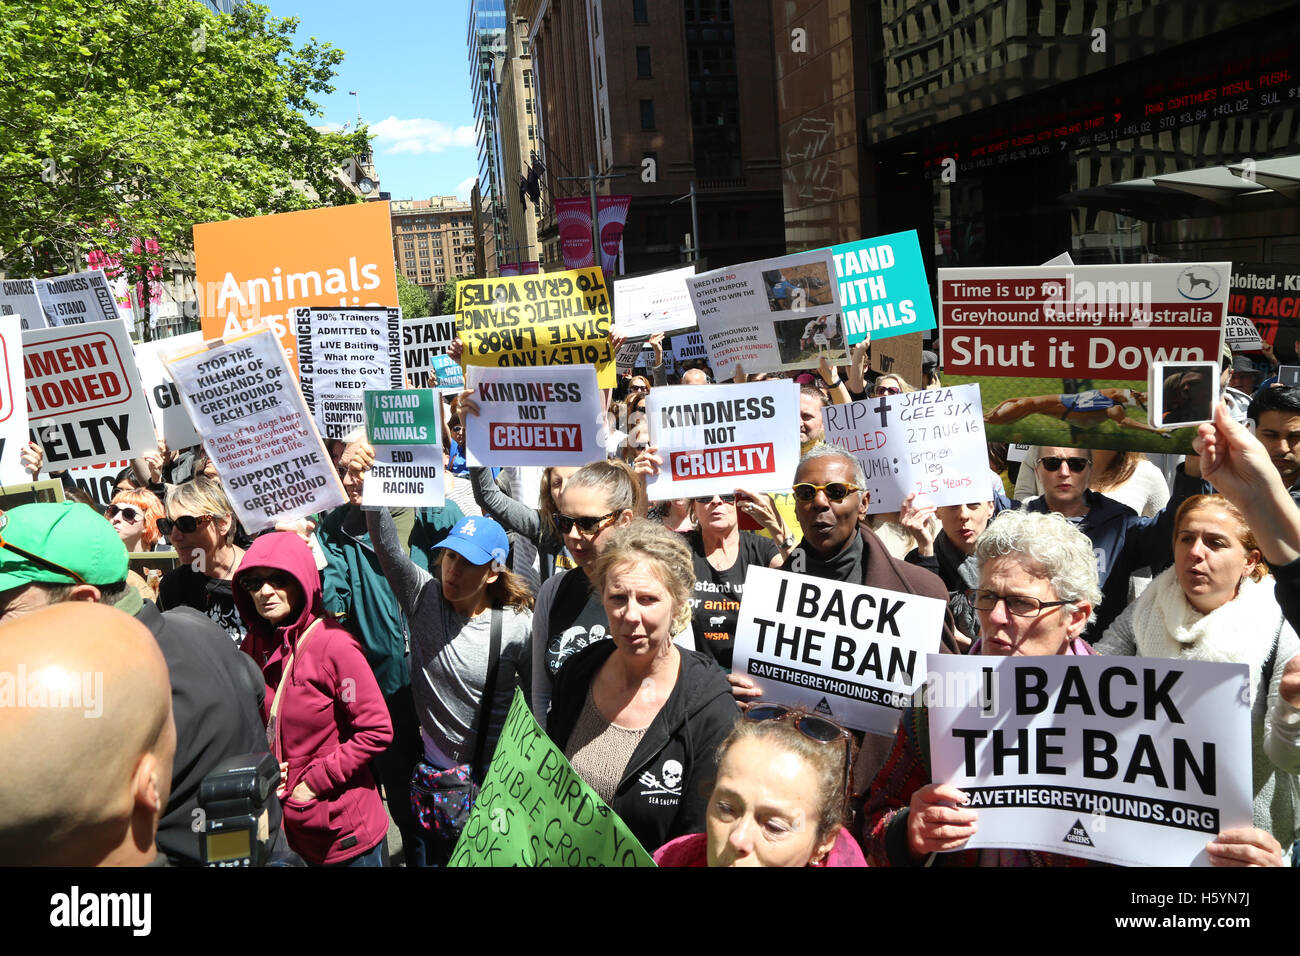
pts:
[573, 215]
[1096, 322]
[84, 398]
[534, 416]
[715, 440]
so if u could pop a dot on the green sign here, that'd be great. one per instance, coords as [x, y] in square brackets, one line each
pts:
[534, 810]
[403, 417]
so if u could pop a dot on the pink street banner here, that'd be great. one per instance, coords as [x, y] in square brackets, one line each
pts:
[574, 216]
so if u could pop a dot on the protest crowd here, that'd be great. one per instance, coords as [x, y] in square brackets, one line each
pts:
[621, 584]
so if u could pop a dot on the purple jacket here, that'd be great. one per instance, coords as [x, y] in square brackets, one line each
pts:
[332, 718]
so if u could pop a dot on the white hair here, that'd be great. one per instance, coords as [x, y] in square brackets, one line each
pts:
[1048, 544]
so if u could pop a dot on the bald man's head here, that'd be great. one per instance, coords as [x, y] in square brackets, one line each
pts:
[86, 738]
[695, 376]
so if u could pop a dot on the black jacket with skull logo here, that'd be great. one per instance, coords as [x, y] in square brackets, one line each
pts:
[664, 791]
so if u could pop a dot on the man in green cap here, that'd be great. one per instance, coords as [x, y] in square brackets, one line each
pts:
[51, 553]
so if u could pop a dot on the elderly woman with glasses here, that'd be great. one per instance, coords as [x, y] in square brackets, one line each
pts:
[1037, 592]
[779, 798]
[201, 526]
[639, 718]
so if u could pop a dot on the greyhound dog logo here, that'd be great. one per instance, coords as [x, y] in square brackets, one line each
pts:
[1198, 282]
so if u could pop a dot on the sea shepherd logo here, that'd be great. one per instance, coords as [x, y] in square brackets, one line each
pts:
[1078, 835]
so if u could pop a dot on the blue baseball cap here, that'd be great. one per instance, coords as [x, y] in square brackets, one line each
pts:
[478, 540]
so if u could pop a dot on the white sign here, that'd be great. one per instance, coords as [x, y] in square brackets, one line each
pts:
[85, 402]
[78, 298]
[689, 347]
[21, 297]
[1017, 452]
[13, 404]
[422, 339]
[1128, 760]
[635, 351]
[1241, 335]
[243, 400]
[99, 481]
[547, 415]
[660, 302]
[929, 441]
[341, 353]
[717, 439]
[404, 429]
[169, 415]
[766, 315]
[855, 653]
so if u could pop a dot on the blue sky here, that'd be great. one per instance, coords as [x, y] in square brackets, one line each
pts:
[408, 61]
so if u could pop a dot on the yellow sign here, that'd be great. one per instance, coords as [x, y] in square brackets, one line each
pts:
[561, 318]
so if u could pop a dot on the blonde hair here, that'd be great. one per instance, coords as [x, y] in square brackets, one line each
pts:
[649, 543]
[202, 496]
[1244, 533]
[619, 483]
[903, 384]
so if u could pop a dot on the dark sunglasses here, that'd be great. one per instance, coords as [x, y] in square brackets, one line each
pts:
[35, 559]
[564, 524]
[130, 514]
[185, 524]
[815, 728]
[886, 390]
[835, 491]
[708, 499]
[252, 583]
[638, 388]
[1054, 463]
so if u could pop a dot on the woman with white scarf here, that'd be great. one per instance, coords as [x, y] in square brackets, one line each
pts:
[1216, 603]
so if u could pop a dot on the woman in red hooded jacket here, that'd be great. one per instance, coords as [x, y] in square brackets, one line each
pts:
[326, 718]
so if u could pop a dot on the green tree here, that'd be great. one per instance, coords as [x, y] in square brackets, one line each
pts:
[447, 306]
[143, 117]
[413, 298]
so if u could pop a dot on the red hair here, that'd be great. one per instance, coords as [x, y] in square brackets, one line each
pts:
[147, 503]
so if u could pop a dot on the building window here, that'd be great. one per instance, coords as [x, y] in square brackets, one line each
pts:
[640, 11]
[528, 106]
[600, 74]
[656, 230]
[643, 61]
[595, 17]
[603, 133]
[528, 79]
[647, 114]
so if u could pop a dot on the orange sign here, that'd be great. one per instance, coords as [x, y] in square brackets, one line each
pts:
[254, 270]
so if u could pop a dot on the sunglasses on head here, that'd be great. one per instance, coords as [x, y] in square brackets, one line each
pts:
[185, 524]
[813, 727]
[835, 491]
[35, 559]
[252, 583]
[1054, 463]
[708, 499]
[564, 524]
[130, 514]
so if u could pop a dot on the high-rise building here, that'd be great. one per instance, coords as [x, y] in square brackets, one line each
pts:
[433, 241]
[221, 6]
[487, 51]
[519, 139]
[660, 94]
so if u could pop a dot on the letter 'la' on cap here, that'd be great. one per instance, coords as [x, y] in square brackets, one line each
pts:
[478, 540]
[69, 534]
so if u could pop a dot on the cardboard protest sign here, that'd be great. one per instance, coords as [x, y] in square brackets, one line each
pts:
[169, 414]
[342, 352]
[21, 297]
[449, 375]
[253, 271]
[1241, 335]
[13, 403]
[883, 288]
[1129, 760]
[855, 653]
[85, 404]
[929, 441]
[256, 426]
[78, 298]
[1062, 353]
[534, 416]
[659, 302]
[1269, 295]
[403, 428]
[717, 439]
[689, 347]
[422, 341]
[770, 315]
[561, 318]
[534, 809]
